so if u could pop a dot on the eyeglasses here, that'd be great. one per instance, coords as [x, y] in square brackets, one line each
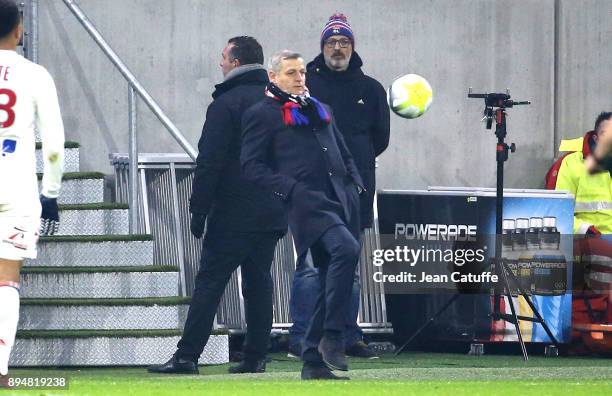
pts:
[331, 43]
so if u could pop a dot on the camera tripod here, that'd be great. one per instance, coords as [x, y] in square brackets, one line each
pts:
[495, 109]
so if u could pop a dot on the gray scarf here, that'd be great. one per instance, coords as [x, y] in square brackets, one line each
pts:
[242, 69]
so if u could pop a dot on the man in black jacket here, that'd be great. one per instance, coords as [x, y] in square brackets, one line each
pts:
[244, 222]
[360, 106]
[291, 146]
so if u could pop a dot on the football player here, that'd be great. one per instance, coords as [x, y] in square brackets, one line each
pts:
[28, 101]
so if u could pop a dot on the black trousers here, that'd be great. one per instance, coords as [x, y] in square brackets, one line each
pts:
[336, 254]
[222, 253]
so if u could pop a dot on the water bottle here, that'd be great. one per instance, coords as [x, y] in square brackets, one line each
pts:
[550, 275]
[523, 257]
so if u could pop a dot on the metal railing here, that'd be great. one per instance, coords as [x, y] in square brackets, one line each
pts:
[165, 182]
[29, 11]
[134, 89]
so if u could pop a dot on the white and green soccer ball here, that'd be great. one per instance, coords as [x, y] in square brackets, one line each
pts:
[409, 96]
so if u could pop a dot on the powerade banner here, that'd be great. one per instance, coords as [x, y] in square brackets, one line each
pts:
[435, 244]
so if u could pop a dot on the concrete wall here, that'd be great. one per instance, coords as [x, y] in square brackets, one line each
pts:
[584, 59]
[556, 54]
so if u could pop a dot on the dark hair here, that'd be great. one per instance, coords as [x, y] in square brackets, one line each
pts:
[603, 116]
[9, 17]
[246, 49]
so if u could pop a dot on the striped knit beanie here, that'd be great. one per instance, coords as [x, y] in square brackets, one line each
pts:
[337, 24]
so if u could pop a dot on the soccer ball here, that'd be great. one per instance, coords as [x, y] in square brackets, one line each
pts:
[409, 96]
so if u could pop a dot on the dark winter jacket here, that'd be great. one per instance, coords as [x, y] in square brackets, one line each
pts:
[219, 189]
[309, 168]
[359, 103]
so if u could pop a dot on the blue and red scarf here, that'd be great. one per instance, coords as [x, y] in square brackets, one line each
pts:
[302, 110]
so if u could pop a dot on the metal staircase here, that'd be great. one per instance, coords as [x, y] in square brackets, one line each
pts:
[94, 295]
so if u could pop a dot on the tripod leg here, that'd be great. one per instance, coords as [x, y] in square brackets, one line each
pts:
[541, 321]
[516, 320]
[534, 310]
[424, 325]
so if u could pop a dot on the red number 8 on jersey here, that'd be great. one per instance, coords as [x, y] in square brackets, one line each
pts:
[8, 107]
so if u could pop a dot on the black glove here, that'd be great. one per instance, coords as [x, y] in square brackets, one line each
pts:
[49, 218]
[197, 224]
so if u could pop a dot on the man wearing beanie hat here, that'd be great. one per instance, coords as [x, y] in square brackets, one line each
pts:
[360, 107]
[337, 26]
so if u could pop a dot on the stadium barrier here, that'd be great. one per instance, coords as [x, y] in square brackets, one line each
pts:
[163, 212]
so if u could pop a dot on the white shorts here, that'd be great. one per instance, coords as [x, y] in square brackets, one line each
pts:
[18, 232]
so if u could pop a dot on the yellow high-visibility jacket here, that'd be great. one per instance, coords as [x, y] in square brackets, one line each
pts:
[593, 192]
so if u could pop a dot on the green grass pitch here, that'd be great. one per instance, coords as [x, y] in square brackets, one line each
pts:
[408, 374]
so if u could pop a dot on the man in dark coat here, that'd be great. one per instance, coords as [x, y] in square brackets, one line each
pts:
[291, 146]
[244, 222]
[360, 106]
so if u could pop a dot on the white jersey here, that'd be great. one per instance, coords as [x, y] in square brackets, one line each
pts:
[28, 101]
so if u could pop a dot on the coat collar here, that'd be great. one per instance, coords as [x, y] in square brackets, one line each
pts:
[318, 66]
[252, 77]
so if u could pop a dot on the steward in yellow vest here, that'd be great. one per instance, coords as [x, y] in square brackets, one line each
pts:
[593, 210]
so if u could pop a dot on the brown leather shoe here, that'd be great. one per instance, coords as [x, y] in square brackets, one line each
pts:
[360, 349]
